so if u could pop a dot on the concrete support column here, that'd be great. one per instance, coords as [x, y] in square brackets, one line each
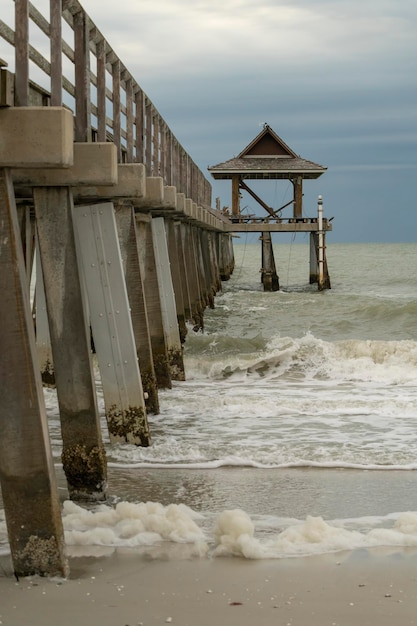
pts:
[179, 228]
[194, 282]
[83, 454]
[153, 301]
[27, 476]
[226, 256]
[43, 339]
[314, 262]
[214, 261]
[270, 278]
[126, 226]
[27, 230]
[202, 279]
[177, 275]
[167, 296]
[207, 268]
[99, 254]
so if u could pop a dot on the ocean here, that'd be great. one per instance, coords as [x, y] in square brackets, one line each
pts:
[295, 432]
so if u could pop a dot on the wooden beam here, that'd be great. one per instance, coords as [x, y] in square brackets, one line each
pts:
[258, 199]
[55, 7]
[21, 43]
[236, 181]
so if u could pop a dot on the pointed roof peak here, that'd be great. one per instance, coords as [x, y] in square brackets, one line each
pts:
[267, 144]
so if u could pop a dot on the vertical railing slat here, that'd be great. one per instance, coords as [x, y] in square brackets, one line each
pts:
[82, 78]
[116, 108]
[55, 8]
[101, 90]
[22, 52]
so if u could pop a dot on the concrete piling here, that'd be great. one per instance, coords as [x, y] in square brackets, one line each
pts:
[126, 227]
[102, 266]
[83, 454]
[153, 301]
[26, 466]
[269, 274]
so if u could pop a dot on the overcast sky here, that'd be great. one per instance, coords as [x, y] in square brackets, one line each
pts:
[336, 79]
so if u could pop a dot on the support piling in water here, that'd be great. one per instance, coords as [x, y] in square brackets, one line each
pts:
[27, 476]
[69, 331]
[270, 278]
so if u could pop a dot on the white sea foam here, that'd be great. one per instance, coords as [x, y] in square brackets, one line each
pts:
[234, 533]
[235, 536]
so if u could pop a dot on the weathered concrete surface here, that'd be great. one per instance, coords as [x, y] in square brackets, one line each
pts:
[126, 226]
[111, 323]
[27, 476]
[36, 137]
[94, 164]
[131, 184]
[83, 455]
[153, 301]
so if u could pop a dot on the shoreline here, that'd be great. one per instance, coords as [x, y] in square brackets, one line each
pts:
[128, 588]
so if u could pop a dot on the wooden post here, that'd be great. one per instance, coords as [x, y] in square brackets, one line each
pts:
[148, 137]
[153, 301]
[298, 196]
[82, 77]
[27, 476]
[99, 253]
[83, 455]
[126, 226]
[55, 9]
[235, 195]
[270, 278]
[21, 45]
[101, 90]
[116, 109]
[129, 120]
[139, 122]
[167, 297]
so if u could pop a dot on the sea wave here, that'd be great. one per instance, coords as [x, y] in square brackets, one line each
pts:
[392, 362]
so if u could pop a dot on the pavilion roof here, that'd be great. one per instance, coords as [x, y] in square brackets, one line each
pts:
[267, 157]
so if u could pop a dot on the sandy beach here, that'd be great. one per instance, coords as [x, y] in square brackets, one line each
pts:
[127, 589]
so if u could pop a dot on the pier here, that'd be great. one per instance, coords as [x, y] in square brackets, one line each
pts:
[110, 250]
[103, 207]
[268, 157]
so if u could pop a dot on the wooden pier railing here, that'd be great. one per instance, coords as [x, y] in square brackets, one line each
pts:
[86, 75]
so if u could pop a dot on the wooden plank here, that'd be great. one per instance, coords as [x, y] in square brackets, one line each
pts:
[56, 52]
[101, 90]
[21, 43]
[116, 108]
[29, 492]
[148, 135]
[129, 120]
[82, 78]
[139, 123]
[155, 151]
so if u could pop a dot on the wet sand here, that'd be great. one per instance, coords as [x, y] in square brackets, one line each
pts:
[129, 589]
